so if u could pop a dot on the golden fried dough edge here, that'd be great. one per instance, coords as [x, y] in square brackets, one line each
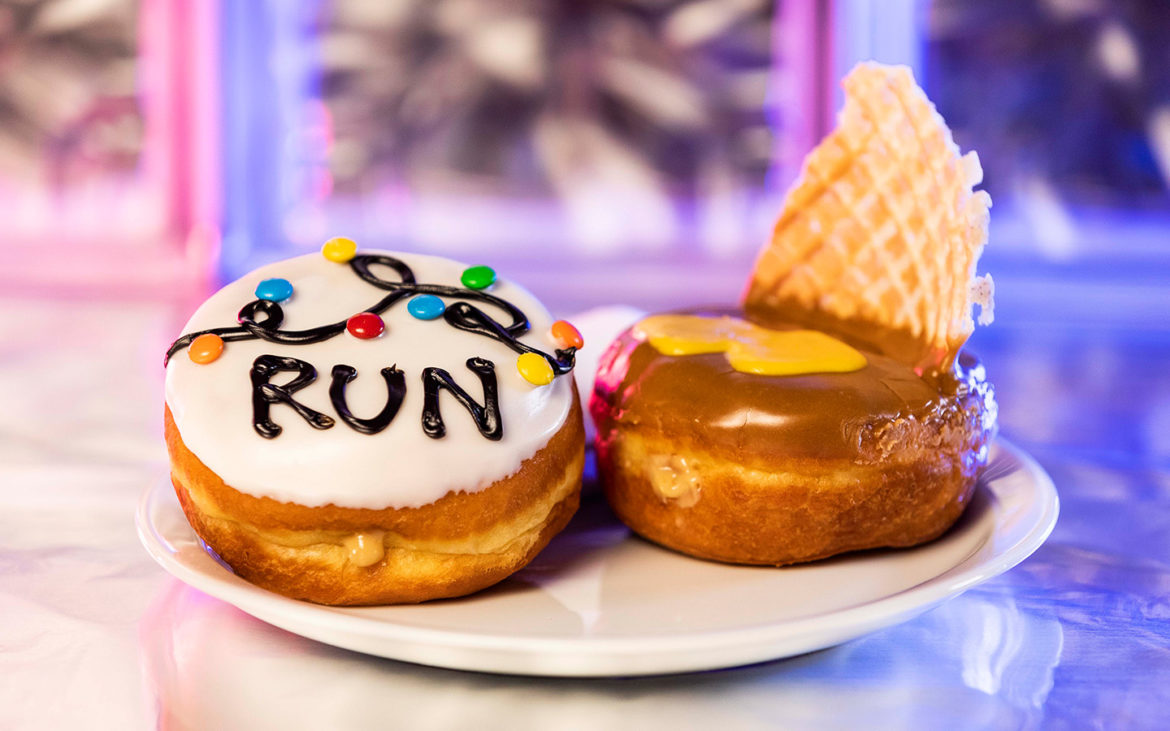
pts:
[794, 511]
[457, 545]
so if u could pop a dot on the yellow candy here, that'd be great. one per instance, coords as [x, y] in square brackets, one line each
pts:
[535, 369]
[339, 249]
[750, 348]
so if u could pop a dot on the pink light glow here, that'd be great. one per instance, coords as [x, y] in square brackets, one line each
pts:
[155, 231]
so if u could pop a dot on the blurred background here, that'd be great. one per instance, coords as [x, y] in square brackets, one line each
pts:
[597, 150]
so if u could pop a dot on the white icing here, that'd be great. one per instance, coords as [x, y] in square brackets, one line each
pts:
[399, 466]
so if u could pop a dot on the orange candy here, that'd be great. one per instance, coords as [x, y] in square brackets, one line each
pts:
[205, 348]
[566, 335]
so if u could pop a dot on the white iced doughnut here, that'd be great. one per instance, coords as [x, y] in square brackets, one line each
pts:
[399, 466]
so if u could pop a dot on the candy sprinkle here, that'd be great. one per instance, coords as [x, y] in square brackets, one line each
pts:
[535, 369]
[479, 277]
[205, 348]
[274, 290]
[426, 306]
[339, 249]
[365, 325]
[566, 335]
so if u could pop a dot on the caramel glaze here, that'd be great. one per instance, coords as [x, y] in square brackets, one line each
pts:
[867, 416]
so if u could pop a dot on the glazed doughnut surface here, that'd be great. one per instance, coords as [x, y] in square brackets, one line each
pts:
[760, 469]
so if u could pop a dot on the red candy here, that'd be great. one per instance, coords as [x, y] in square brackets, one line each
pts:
[365, 325]
[566, 335]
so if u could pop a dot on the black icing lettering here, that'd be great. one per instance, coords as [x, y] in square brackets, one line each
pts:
[487, 416]
[264, 394]
[395, 393]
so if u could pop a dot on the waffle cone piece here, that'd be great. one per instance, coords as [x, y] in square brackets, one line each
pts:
[879, 237]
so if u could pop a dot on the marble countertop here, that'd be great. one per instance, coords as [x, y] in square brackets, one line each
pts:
[95, 635]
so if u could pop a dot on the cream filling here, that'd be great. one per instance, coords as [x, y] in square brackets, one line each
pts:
[366, 549]
[674, 479]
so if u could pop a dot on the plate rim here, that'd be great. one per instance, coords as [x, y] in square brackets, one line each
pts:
[601, 656]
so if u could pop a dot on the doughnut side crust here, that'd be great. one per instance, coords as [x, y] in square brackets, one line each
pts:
[709, 506]
[457, 545]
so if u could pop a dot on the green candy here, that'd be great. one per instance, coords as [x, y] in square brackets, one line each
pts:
[480, 277]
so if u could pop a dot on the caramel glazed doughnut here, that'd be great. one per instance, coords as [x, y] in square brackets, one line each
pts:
[712, 444]
[439, 451]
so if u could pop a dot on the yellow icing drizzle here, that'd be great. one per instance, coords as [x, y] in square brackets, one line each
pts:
[750, 348]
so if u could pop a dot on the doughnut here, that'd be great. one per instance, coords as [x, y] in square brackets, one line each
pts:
[834, 410]
[722, 458]
[367, 428]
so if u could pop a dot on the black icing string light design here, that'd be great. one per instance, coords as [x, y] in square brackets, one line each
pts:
[262, 317]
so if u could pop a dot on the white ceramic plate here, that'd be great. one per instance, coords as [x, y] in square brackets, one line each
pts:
[601, 602]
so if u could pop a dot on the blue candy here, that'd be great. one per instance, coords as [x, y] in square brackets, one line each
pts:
[425, 306]
[274, 290]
